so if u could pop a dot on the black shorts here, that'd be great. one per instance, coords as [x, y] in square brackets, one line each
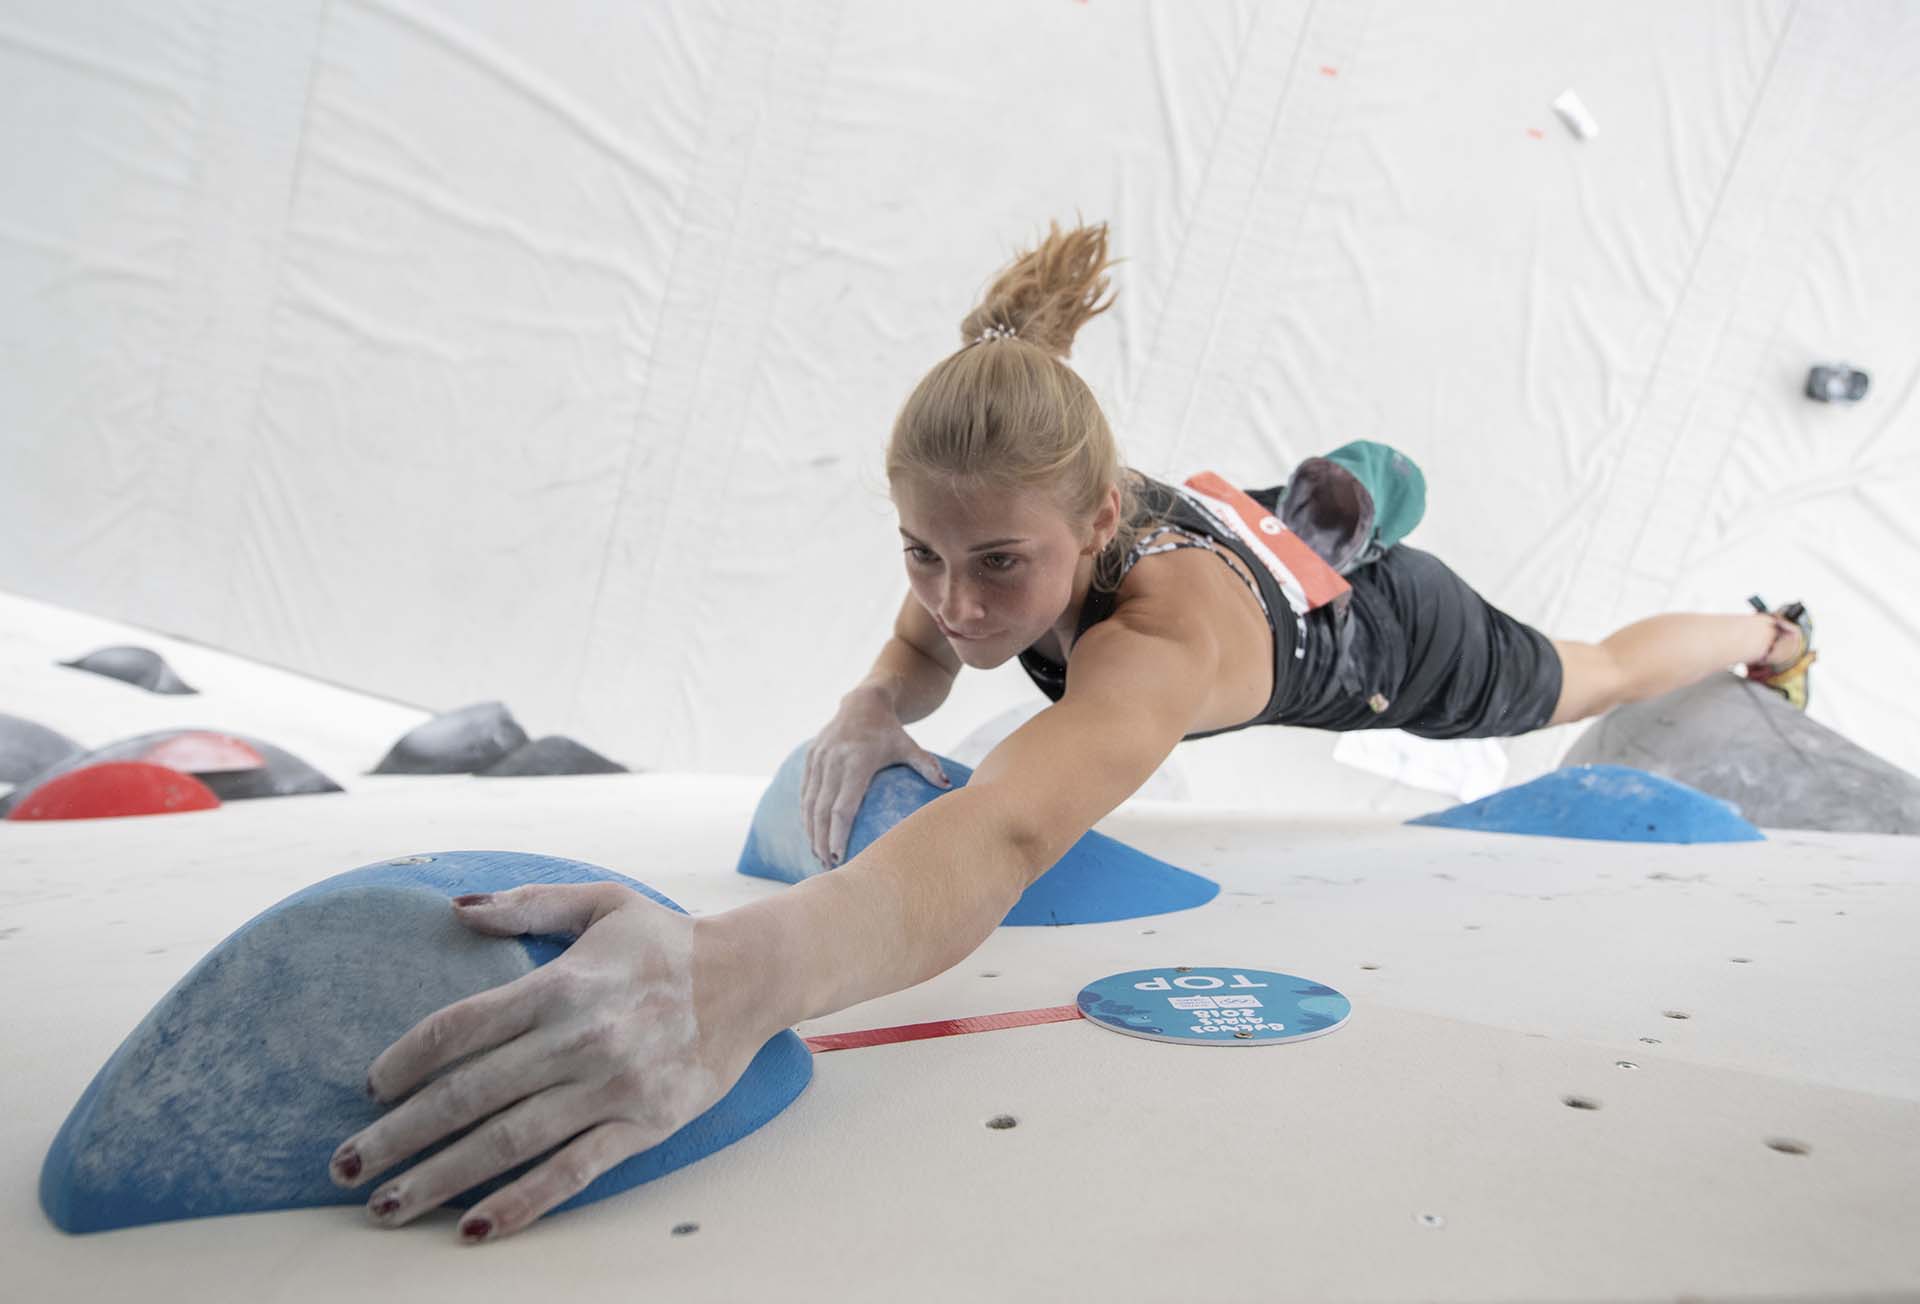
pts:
[1445, 662]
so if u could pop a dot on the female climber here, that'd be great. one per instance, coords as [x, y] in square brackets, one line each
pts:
[1149, 613]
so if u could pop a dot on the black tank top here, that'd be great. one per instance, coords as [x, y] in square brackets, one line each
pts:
[1164, 505]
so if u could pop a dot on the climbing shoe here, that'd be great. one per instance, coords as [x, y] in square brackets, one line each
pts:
[1787, 678]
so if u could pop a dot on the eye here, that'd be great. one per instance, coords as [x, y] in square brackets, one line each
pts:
[916, 553]
[1000, 562]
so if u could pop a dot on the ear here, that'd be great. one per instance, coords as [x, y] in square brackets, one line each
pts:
[1106, 523]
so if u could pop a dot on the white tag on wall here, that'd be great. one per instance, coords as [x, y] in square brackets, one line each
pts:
[1576, 115]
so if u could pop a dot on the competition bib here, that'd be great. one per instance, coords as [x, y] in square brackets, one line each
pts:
[1302, 574]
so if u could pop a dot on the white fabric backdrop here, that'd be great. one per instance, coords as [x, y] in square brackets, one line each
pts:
[460, 351]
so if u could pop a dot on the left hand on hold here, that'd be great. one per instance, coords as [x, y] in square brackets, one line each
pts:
[604, 1045]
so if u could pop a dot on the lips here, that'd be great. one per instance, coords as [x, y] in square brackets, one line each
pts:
[954, 633]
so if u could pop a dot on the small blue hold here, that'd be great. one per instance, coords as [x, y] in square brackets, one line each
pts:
[1607, 803]
[1099, 880]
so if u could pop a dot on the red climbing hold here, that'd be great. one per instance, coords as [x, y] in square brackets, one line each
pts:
[114, 788]
[197, 751]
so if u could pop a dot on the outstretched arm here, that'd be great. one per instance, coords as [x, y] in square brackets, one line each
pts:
[923, 896]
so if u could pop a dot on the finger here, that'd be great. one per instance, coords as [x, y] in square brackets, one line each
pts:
[541, 908]
[513, 1136]
[841, 828]
[928, 767]
[556, 1181]
[444, 1106]
[823, 819]
[480, 1022]
[808, 780]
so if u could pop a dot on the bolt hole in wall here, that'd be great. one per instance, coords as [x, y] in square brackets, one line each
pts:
[686, 1228]
[1001, 1122]
[1785, 1145]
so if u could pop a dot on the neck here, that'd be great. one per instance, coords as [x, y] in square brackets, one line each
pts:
[1068, 625]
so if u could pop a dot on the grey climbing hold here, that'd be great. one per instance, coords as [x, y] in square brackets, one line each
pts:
[27, 749]
[465, 741]
[139, 666]
[552, 755]
[1745, 744]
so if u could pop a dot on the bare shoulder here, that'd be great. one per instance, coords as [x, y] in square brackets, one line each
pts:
[1169, 606]
[1186, 615]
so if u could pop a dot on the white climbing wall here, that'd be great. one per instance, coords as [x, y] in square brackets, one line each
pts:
[455, 351]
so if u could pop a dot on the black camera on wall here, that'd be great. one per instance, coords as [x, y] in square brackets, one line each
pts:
[1837, 384]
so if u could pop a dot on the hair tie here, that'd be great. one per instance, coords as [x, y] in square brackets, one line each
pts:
[996, 332]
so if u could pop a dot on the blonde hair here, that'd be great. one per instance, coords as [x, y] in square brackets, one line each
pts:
[1006, 410]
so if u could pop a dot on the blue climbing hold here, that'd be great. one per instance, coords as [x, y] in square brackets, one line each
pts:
[1608, 803]
[230, 1096]
[1099, 880]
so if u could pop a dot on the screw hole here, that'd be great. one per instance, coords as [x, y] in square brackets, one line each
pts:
[1625, 1064]
[1001, 1122]
[1430, 1220]
[1651, 1041]
[686, 1228]
[1740, 959]
[1369, 966]
[1676, 1014]
[1148, 932]
[1580, 1102]
[991, 973]
[1787, 1146]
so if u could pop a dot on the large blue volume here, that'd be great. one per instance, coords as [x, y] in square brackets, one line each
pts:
[1608, 803]
[1098, 881]
[230, 1096]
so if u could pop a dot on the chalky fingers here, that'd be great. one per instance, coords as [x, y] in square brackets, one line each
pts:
[530, 1128]
[445, 1106]
[556, 1181]
[481, 1021]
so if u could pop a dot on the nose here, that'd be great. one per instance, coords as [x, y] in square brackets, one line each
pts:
[960, 606]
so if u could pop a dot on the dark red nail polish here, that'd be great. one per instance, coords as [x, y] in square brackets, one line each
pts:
[476, 1229]
[473, 899]
[371, 1093]
[347, 1163]
[385, 1205]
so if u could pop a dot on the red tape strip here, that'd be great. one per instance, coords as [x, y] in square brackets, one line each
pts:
[944, 1028]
